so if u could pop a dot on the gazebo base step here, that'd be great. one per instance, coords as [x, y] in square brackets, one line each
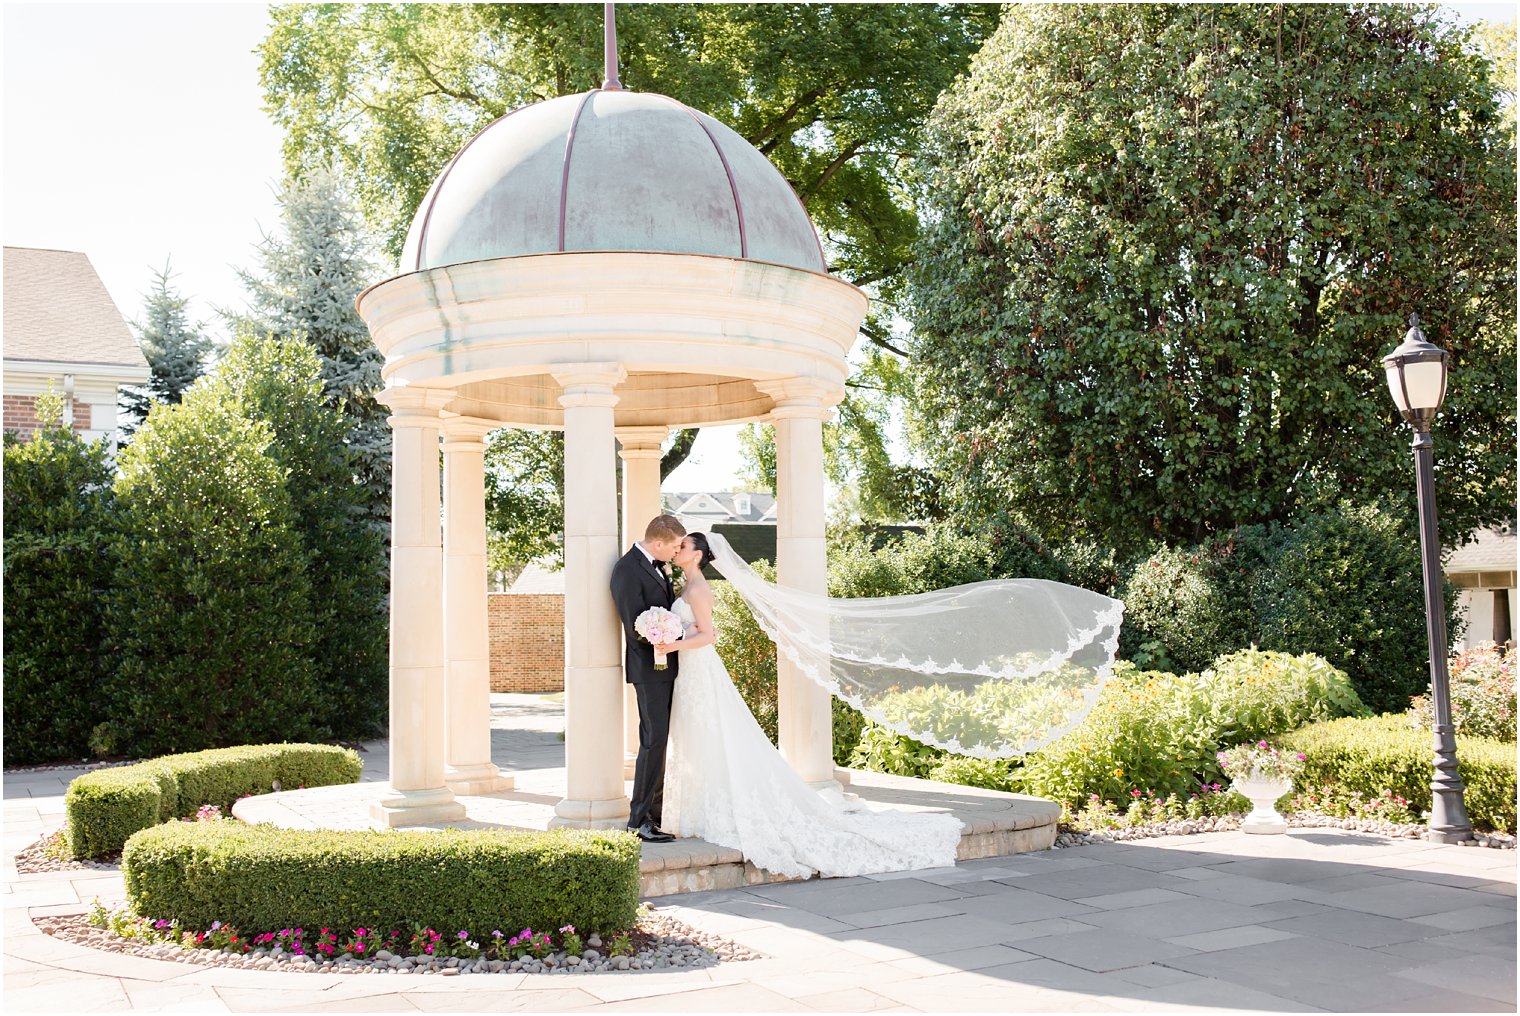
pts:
[997, 824]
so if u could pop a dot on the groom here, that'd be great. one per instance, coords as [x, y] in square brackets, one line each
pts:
[639, 582]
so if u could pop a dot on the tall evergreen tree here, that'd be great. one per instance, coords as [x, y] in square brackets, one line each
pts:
[309, 274]
[176, 349]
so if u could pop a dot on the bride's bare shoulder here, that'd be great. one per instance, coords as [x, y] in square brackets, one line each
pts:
[698, 592]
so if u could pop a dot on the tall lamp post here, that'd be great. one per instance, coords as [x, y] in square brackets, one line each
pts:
[1417, 382]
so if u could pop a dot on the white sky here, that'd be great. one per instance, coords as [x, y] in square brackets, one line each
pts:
[136, 133]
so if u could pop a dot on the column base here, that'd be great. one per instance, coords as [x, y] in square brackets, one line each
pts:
[828, 786]
[570, 814]
[475, 781]
[1448, 835]
[416, 807]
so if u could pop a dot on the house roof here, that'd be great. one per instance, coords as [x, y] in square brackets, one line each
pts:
[721, 506]
[58, 311]
[1493, 550]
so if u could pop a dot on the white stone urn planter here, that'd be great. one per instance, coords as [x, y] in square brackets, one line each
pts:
[1263, 793]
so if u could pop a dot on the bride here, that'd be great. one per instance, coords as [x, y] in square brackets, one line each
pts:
[727, 784]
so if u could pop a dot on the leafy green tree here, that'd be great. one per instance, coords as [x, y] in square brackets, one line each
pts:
[1496, 41]
[525, 497]
[58, 531]
[309, 275]
[1169, 245]
[175, 347]
[280, 382]
[833, 94]
[210, 612]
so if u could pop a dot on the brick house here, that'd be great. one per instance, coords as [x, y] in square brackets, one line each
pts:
[61, 326]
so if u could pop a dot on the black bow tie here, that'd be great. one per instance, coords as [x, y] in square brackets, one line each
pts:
[655, 565]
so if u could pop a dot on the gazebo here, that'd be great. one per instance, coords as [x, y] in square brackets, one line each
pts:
[611, 264]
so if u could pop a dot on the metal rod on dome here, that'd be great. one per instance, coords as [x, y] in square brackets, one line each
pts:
[610, 80]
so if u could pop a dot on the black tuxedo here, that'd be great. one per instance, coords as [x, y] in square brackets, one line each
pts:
[637, 585]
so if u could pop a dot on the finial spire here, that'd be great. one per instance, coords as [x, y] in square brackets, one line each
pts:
[610, 80]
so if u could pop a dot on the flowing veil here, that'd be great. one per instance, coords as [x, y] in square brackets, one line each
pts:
[991, 669]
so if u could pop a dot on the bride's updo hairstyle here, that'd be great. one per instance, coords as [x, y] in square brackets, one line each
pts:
[699, 540]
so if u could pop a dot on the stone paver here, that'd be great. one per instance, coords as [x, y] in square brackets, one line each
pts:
[1316, 920]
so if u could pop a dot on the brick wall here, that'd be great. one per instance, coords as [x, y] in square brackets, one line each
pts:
[21, 415]
[527, 641]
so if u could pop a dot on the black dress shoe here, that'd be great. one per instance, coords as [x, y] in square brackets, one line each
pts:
[649, 834]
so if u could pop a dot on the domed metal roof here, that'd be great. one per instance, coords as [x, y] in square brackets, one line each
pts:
[610, 170]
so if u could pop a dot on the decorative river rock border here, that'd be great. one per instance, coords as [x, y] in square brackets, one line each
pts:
[659, 943]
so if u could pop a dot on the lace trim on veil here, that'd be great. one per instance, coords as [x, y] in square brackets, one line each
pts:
[986, 608]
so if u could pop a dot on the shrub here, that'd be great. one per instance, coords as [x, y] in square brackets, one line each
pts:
[1175, 616]
[1160, 732]
[280, 383]
[58, 508]
[993, 774]
[885, 751]
[747, 652]
[261, 877]
[1346, 584]
[1385, 753]
[941, 557]
[1184, 608]
[849, 722]
[210, 614]
[1482, 694]
[1090, 566]
[107, 806]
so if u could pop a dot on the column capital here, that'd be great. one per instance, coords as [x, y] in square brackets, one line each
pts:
[640, 442]
[800, 397]
[414, 407]
[589, 384]
[466, 433]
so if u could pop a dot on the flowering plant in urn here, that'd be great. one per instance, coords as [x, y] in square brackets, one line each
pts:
[1260, 761]
[656, 626]
[1262, 774]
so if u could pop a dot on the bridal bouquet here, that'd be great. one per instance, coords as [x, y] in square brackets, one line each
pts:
[658, 625]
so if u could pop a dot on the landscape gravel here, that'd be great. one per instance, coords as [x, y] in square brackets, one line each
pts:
[1069, 837]
[660, 942]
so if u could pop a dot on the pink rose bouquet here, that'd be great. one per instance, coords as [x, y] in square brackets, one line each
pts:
[658, 625]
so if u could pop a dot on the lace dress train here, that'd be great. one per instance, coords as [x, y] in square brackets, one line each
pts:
[727, 784]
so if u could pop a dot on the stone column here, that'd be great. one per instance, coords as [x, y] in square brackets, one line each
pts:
[639, 448]
[466, 636]
[417, 794]
[805, 713]
[594, 796]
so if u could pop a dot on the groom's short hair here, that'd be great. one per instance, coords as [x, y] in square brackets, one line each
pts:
[664, 527]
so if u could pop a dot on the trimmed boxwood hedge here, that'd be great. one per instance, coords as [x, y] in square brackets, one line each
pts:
[480, 880]
[107, 806]
[1386, 753]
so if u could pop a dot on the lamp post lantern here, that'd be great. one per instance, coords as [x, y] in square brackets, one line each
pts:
[1417, 381]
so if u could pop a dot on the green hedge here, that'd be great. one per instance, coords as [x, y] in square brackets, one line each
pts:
[1159, 732]
[263, 878]
[58, 509]
[109, 805]
[1386, 753]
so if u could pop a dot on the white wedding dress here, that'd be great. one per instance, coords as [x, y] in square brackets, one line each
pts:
[727, 784]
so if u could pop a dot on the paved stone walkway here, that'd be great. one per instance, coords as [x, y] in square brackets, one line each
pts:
[1316, 920]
